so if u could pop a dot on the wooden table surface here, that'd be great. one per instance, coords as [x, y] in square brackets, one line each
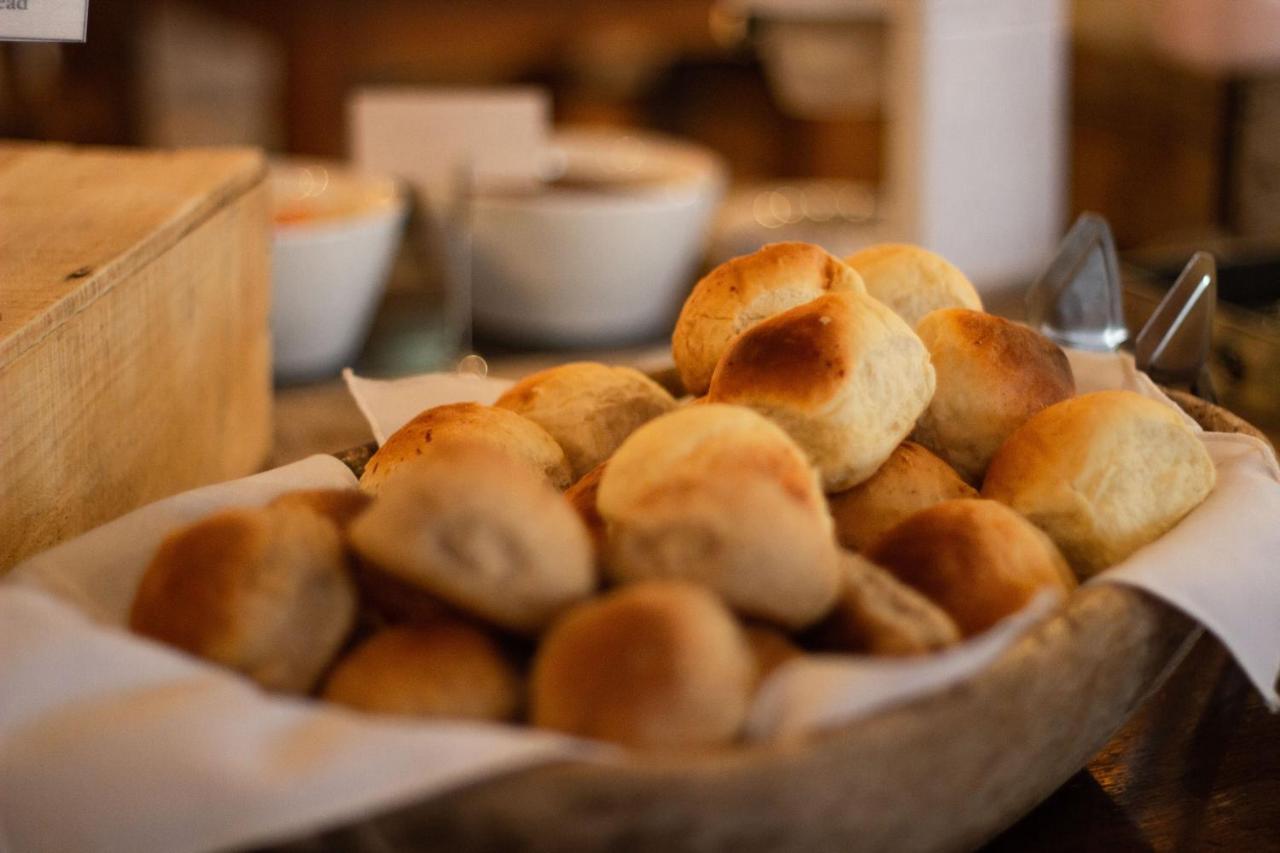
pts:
[1198, 768]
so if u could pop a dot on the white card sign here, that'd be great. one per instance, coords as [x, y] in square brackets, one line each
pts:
[426, 135]
[43, 20]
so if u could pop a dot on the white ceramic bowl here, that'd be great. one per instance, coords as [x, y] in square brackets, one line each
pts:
[573, 266]
[335, 236]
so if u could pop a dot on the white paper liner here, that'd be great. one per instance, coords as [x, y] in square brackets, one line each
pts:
[110, 742]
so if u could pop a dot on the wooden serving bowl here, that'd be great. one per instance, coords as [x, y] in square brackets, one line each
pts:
[943, 772]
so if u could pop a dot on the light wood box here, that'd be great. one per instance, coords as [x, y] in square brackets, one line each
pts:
[135, 356]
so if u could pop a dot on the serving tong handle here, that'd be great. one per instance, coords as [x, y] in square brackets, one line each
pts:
[1078, 302]
[1173, 347]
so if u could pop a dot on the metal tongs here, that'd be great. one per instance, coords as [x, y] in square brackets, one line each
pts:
[1078, 302]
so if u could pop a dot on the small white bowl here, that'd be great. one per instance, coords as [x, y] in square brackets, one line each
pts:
[574, 266]
[335, 236]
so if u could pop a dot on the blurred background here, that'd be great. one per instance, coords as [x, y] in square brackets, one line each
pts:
[820, 116]
[1163, 142]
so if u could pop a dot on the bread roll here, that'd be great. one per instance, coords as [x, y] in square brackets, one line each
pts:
[993, 374]
[911, 479]
[1103, 474]
[976, 559]
[842, 374]
[719, 495]
[771, 648]
[521, 439]
[588, 408]
[582, 496]
[386, 599]
[262, 591]
[651, 665]
[445, 668]
[912, 280]
[340, 506]
[878, 614]
[490, 538]
[741, 292]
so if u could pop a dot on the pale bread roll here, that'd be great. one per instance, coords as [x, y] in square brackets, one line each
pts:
[1103, 474]
[487, 536]
[976, 559]
[913, 280]
[745, 290]
[447, 426]
[444, 668]
[842, 374]
[721, 496]
[587, 407]
[263, 591]
[993, 374]
[657, 665]
[911, 479]
[880, 615]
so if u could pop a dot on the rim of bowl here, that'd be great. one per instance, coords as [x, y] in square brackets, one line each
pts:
[385, 197]
[694, 170]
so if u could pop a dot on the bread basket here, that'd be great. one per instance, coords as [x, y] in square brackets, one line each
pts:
[944, 772]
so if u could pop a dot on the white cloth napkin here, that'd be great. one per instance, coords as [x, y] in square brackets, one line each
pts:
[388, 404]
[110, 742]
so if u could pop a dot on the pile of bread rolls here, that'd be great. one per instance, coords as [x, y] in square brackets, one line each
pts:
[865, 463]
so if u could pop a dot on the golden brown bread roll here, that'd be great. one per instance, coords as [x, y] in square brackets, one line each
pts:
[340, 506]
[913, 281]
[262, 591]
[842, 374]
[721, 496]
[771, 648]
[587, 407]
[993, 374]
[442, 427]
[582, 497]
[976, 559]
[745, 290]
[445, 668]
[878, 614]
[1103, 474]
[661, 664]
[487, 536]
[386, 599]
[911, 479]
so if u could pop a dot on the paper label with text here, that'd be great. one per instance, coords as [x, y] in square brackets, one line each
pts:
[43, 20]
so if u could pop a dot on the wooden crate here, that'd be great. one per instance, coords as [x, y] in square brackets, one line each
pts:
[135, 356]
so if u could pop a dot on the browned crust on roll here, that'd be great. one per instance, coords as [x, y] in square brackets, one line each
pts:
[992, 375]
[582, 497]
[263, 591]
[1011, 347]
[741, 276]
[801, 356]
[878, 614]
[745, 290]
[444, 668]
[196, 570]
[976, 559]
[911, 479]
[589, 408]
[469, 423]
[660, 664]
